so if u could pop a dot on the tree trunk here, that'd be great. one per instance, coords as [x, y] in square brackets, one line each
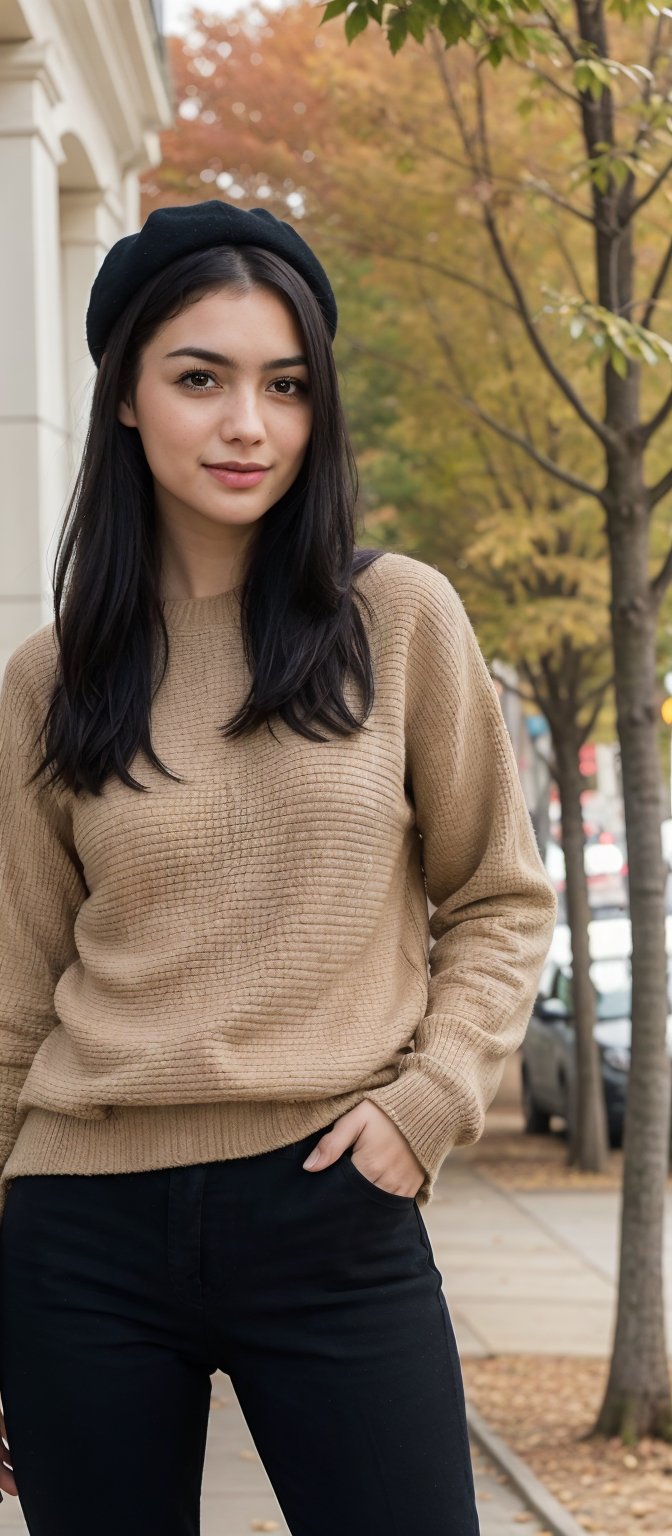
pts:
[587, 1126]
[637, 1399]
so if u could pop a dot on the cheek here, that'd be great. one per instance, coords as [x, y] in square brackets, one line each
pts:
[171, 431]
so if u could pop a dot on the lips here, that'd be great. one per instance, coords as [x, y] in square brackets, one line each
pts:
[236, 479]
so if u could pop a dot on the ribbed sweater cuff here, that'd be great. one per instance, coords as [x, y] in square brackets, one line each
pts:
[431, 1116]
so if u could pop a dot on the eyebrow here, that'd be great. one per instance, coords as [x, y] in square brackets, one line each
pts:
[230, 362]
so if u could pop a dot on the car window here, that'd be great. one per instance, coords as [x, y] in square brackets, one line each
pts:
[563, 990]
[612, 982]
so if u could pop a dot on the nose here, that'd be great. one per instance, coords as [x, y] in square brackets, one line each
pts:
[241, 416]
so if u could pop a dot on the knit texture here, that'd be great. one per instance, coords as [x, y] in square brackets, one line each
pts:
[221, 966]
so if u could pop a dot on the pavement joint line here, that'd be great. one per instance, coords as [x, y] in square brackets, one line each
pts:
[562, 1242]
[534, 1493]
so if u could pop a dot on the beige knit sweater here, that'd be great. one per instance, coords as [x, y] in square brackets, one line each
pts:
[219, 967]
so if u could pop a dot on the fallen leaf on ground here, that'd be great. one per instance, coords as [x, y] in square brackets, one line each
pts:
[543, 1406]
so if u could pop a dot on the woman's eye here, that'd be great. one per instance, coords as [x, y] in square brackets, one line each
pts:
[186, 379]
[196, 373]
[300, 386]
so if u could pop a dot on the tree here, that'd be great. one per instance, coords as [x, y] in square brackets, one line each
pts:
[614, 81]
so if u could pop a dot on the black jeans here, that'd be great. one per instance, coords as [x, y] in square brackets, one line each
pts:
[318, 1294]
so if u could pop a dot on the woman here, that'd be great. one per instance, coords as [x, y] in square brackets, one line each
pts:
[232, 771]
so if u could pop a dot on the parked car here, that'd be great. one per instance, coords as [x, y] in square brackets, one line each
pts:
[548, 1069]
[606, 873]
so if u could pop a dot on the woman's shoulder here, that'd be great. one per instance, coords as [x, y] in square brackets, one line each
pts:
[30, 669]
[408, 584]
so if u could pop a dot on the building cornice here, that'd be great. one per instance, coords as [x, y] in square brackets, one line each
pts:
[114, 44]
[34, 60]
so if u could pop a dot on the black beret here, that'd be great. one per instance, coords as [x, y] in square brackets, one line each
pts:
[169, 233]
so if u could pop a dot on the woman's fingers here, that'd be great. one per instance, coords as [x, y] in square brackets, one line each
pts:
[7, 1482]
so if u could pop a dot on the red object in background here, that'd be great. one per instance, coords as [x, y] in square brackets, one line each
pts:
[588, 759]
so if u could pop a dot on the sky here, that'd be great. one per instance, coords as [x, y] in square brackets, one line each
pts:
[176, 13]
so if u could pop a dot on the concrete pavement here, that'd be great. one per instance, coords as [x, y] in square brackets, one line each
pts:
[531, 1272]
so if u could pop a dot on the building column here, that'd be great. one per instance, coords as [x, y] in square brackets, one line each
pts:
[33, 426]
[90, 224]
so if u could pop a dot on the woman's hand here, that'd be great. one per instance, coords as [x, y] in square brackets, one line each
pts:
[7, 1482]
[383, 1153]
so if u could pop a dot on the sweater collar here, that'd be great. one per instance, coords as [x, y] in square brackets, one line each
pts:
[201, 613]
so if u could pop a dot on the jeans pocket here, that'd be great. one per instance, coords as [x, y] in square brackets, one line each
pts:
[372, 1191]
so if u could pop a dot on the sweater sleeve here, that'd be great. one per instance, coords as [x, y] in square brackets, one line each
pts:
[495, 906]
[41, 889]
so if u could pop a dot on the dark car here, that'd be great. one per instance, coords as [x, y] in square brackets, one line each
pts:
[548, 1064]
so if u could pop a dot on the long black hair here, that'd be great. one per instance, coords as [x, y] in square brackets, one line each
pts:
[301, 626]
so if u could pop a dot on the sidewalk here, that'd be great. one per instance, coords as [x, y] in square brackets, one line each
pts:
[531, 1273]
[528, 1271]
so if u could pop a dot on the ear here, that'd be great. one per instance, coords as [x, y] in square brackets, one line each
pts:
[126, 414]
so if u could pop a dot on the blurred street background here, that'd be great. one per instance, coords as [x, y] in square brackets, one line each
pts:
[489, 189]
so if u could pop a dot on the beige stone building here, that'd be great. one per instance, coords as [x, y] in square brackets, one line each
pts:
[84, 93]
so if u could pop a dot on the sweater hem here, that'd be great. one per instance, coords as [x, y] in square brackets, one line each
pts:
[135, 1139]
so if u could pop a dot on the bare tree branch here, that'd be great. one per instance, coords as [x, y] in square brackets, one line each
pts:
[545, 190]
[450, 354]
[660, 583]
[586, 728]
[650, 192]
[540, 74]
[597, 692]
[656, 421]
[600, 430]
[571, 264]
[604, 434]
[658, 285]
[541, 699]
[560, 33]
[526, 698]
[453, 276]
[565, 475]
[657, 492]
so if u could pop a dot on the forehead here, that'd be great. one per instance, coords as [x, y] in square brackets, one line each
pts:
[258, 322]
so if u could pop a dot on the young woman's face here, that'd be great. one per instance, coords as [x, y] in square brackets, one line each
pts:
[223, 383]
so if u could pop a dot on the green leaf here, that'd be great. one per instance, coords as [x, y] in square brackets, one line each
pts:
[417, 24]
[619, 171]
[334, 8]
[600, 176]
[520, 46]
[496, 50]
[397, 30]
[619, 362]
[454, 23]
[356, 22]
